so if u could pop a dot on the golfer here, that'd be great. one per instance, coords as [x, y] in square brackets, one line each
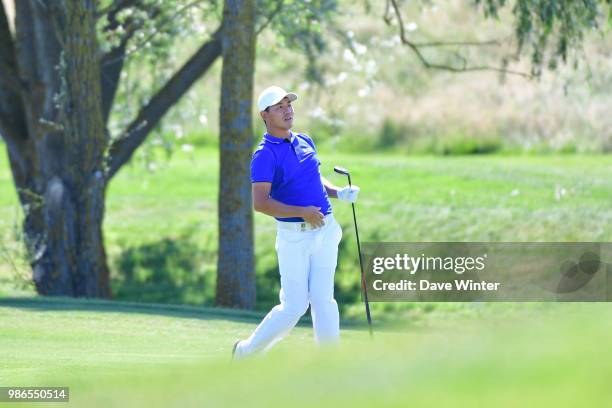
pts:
[287, 185]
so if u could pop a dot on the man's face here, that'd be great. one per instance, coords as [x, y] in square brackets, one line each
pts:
[280, 115]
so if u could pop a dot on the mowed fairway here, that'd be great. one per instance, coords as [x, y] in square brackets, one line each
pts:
[433, 354]
[120, 354]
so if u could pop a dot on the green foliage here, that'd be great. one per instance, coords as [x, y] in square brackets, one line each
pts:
[545, 30]
[14, 257]
[171, 270]
[550, 30]
[417, 139]
[152, 30]
[163, 34]
[391, 134]
[302, 26]
[460, 144]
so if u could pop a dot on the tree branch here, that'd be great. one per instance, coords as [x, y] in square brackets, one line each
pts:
[109, 78]
[458, 43]
[115, 8]
[12, 116]
[113, 61]
[270, 17]
[416, 48]
[122, 148]
[111, 65]
[25, 44]
[8, 66]
[8, 74]
[168, 20]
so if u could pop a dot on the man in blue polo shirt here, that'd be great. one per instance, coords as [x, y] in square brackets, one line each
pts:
[287, 185]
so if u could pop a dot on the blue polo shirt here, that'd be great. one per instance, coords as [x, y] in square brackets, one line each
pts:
[293, 169]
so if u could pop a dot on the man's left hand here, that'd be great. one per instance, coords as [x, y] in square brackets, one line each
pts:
[348, 193]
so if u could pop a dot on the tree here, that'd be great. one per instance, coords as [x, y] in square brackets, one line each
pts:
[51, 120]
[235, 267]
[58, 86]
[537, 24]
[56, 92]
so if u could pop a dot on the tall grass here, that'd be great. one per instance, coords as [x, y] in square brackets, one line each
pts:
[380, 82]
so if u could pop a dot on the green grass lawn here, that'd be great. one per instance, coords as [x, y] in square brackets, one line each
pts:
[166, 220]
[125, 354]
[423, 354]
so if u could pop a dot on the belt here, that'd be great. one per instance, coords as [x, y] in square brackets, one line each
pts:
[303, 226]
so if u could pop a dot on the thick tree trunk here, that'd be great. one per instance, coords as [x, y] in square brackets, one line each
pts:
[59, 171]
[235, 268]
[63, 231]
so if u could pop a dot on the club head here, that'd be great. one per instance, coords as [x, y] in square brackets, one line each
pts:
[341, 170]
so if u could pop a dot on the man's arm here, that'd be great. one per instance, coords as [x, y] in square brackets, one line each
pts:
[348, 193]
[263, 203]
[331, 189]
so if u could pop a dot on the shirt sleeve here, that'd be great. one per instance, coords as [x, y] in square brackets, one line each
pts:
[262, 166]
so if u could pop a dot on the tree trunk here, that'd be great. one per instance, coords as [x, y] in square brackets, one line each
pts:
[235, 267]
[58, 170]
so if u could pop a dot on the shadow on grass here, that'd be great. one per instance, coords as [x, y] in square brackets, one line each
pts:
[175, 277]
[52, 304]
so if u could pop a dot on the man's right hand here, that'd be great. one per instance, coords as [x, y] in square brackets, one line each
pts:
[313, 216]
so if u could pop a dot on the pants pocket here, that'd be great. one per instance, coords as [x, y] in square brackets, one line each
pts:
[284, 237]
[338, 232]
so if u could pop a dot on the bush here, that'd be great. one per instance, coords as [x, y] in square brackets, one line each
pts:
[463, 144]
[390, 135]
[166, 271]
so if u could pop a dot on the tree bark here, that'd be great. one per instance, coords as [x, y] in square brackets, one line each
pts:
[52, 116]
[235, 267]
[60, 182]
[50, 120]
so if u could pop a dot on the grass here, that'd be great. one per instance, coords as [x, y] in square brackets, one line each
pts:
[423, 354]
[118, 354]
[172, 213]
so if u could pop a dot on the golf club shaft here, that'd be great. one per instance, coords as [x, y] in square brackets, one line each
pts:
[363, 281]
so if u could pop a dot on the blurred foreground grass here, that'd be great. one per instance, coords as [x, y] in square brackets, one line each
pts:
[122, 354]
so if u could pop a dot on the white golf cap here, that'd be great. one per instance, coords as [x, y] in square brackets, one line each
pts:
[273, 95]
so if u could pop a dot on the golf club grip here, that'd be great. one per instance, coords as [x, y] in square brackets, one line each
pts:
[344, 171]
[341, 170]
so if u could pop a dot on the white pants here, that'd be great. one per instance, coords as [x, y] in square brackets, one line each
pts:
[307, 263]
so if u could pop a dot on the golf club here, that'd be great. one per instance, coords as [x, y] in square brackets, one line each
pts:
[342, 170]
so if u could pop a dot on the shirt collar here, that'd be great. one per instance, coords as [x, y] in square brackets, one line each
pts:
[277, 140]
